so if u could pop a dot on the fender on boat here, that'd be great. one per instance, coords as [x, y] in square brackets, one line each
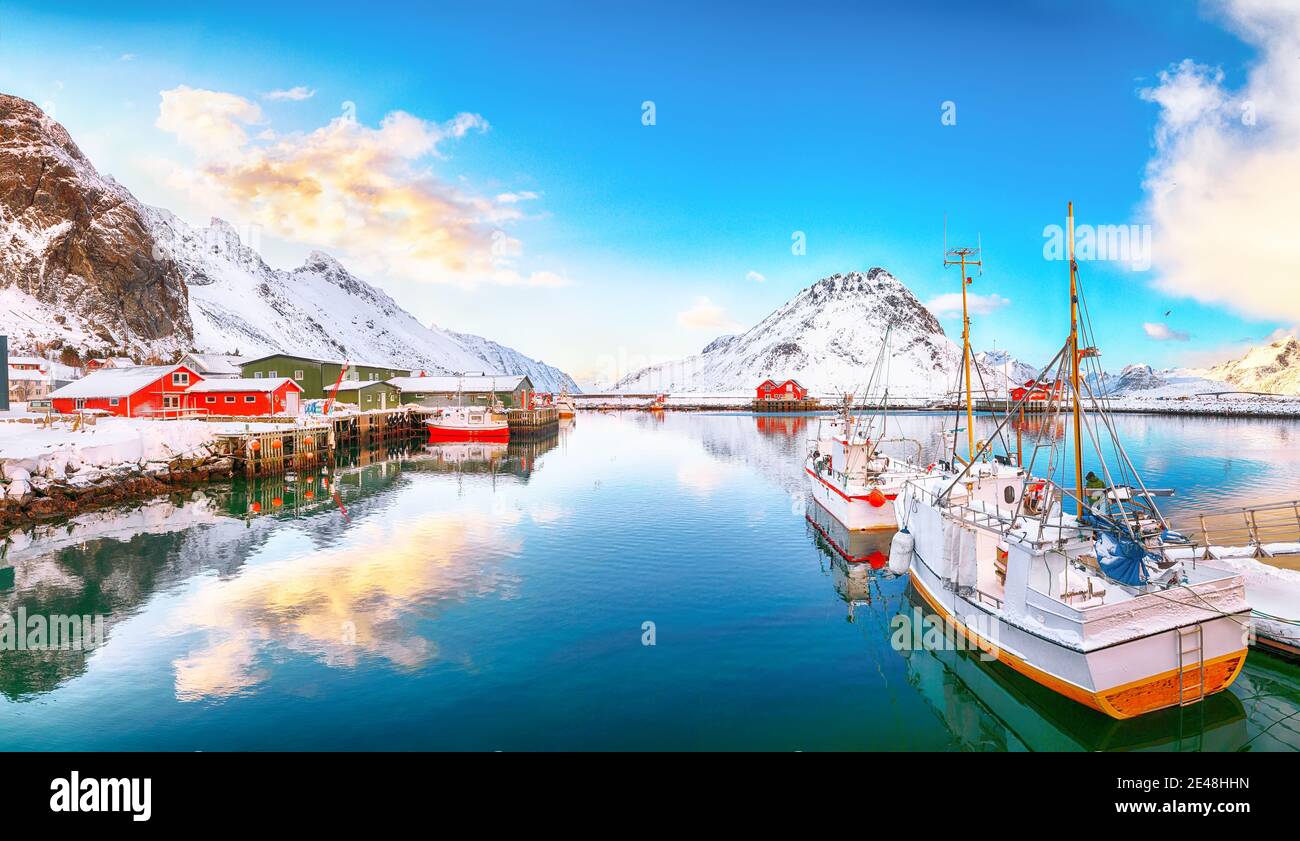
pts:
[900, 552]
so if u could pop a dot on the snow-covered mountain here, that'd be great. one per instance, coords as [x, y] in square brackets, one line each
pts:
[498, 357]
[1274, 367]
[84, 264]
[1002, 369]
[828, 337]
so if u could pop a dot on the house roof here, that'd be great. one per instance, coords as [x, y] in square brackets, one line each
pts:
[353, 385]
[243, 384]
[351, 363]
[450, 385]
[114, 382]
[768, 381]
[215, 363]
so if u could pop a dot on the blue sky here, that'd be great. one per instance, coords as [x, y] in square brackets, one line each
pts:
[771, 118]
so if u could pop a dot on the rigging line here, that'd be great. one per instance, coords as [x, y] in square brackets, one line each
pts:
[1123, 453]
[974, 456]
[1006, 447]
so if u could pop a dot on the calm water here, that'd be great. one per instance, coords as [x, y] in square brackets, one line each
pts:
[485, 597]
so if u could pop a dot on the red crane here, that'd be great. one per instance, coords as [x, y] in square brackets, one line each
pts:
[329, 402]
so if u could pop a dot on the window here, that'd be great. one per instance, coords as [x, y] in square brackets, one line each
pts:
[272, 374]
[113, 401]
[250, 398]
[298, 374]
[257, 375]
[211, 398]
[81, 403]
[180, 378]
[370, 398]
[230, 398]
[171, 401]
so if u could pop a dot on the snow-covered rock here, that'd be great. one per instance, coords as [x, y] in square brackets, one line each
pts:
[84, 264]
[827, 337]
[1274, 367]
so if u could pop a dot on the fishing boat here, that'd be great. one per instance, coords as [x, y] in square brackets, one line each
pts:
[468, 423]
[659, 403]
[1093, 602]
[564, 404]
[849, 473]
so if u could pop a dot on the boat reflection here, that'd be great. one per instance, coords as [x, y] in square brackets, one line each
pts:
[857, 559]
[987, 706]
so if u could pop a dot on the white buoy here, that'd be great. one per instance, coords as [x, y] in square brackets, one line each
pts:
[900, 552]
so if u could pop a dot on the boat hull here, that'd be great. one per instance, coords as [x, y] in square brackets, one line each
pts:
[856, 512]
[1122, 681]
[460, 433]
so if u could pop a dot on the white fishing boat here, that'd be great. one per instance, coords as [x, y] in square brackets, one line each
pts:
[849, 474]
[1092, 603]
[564, 404]
[468, 423]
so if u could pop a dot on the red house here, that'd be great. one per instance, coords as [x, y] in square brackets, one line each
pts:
[139, 391]
[244, 396]
[788, 390]
[1038, 391]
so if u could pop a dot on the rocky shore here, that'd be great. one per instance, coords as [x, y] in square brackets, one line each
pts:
[34, 498]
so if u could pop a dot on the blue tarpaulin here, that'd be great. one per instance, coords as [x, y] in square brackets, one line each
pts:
[1122, 558]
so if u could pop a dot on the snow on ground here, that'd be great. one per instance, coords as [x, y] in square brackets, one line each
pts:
[1269, 590]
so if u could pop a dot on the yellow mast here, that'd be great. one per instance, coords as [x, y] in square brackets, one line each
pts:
[1074, 361]
[962, 256]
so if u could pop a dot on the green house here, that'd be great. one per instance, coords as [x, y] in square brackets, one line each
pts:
[513, 391]
[316, 376]
[369, 394]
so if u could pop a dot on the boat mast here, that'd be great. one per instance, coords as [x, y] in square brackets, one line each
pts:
[1074, 361]
[965, 257]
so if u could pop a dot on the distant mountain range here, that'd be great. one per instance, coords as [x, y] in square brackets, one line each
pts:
[828, 336]
[83, 264]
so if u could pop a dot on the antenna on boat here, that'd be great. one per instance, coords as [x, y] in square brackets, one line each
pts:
[964, 257]
[1074, 360]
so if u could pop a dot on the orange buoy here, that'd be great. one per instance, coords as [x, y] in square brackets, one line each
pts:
[876, 498]
[876, 559]
[275, 443]
[309, 495]
[277, 502]
[256, 507]
[255, 446]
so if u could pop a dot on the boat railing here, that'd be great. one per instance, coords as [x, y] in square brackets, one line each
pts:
[1275, 524]
[912, 441]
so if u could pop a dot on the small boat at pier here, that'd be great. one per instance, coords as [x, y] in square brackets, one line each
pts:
[468, 423]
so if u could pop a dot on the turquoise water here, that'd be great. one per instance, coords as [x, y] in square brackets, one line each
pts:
[489, 597]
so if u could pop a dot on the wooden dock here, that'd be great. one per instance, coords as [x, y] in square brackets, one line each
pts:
[303, 445]
[808, 404]
[525, 423]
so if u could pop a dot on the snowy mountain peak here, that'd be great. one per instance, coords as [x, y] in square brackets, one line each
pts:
[84, 265]
[828, 336]
[1274, 367]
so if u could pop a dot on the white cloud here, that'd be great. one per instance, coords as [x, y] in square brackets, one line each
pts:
[1222, 182]
[1163, 333]
[706, 315]
[371, 194]
[295, 94]
[515, 198]
[949, 303]
[128, 57]
[755, 276]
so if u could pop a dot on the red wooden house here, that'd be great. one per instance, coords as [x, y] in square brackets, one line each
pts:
[244, 396]
[1038, 391]
[138, 391]
[788, 390]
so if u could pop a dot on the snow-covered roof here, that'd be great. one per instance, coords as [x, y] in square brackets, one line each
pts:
[350, 363]
[121, 362]
[215, 363]
[242, 384]
[28, 360]
[353, 385]
[114, 382]
[442, 385]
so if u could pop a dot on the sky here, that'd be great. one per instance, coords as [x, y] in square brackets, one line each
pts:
[607, 186]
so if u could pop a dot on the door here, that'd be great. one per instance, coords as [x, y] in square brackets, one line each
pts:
[291, 403]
